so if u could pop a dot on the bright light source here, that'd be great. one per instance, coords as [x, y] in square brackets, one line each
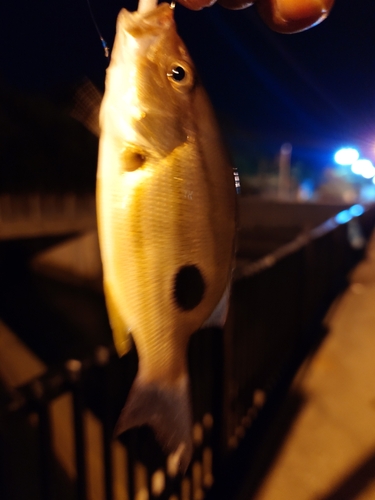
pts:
[346, 156]
[356, 210]
[363, 167]
[343, 217]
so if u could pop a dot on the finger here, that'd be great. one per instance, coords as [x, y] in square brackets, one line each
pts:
[196, 4]
[291, 16]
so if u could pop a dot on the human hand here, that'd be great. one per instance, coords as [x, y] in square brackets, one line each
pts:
[284, 16]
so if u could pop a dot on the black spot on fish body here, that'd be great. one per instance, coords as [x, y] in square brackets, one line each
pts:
[132, 160]
[189, 287]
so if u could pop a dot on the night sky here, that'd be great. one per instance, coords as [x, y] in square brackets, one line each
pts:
[315, 88]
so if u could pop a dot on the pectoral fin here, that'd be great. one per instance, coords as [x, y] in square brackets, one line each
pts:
[120, 331]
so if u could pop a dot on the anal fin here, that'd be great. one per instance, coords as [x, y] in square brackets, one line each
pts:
[219, 314]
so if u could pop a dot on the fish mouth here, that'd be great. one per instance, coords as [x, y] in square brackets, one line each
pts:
[151, 22]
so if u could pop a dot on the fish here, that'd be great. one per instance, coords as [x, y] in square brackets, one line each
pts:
[166, 211]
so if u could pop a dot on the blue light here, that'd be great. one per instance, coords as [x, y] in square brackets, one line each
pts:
[356, 210]
[343, 217]
[346, 156]
[363, 167]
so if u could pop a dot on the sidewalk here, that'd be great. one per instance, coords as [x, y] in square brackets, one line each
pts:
[329, 452]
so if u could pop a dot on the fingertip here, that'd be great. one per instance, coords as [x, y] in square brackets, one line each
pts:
[196, 4]
[292, 16]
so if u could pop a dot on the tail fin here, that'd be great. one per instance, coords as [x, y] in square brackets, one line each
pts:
[165, 408]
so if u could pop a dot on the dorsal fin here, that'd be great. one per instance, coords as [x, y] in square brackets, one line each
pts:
[120, 331]
[86, 105]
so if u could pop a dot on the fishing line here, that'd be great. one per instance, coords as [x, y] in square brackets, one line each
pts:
[104, 43]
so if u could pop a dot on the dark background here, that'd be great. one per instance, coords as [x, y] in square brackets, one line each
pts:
[315, 89]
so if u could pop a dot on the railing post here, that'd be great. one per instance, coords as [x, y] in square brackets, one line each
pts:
[74, 368]
[3, 480]
[44, 433]
[102, 360]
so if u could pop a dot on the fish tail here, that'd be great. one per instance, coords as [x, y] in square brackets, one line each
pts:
[165, 408]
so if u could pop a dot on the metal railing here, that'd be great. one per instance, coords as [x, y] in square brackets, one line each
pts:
[35, 215]
[277, 305]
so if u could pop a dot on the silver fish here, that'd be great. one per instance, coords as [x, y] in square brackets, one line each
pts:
[166, 216]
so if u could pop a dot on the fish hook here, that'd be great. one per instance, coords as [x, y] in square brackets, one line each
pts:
[104, 43]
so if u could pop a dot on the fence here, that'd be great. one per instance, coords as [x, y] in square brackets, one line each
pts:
[36, 215]
[56, 431]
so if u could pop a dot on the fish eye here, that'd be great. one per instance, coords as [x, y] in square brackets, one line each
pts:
[178, 73]
[181, 76]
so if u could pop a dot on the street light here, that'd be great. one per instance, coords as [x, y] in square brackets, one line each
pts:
[346, 156]
[363, 167]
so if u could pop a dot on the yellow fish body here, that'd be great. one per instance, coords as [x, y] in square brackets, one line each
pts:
[166, 216]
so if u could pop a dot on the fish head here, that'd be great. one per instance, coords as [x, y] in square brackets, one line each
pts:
[149, 83]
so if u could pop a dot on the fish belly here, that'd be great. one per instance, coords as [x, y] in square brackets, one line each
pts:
[155, 224]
